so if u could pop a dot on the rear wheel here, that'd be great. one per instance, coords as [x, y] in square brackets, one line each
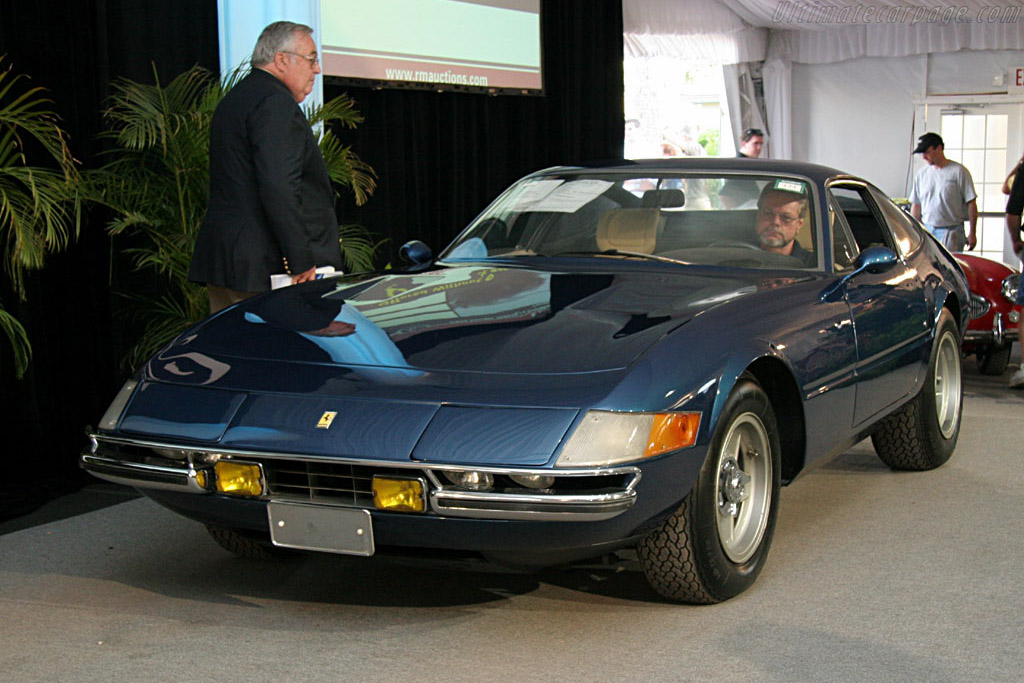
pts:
[992, 359]
[251, 545]
[714, 545]
[922, 434]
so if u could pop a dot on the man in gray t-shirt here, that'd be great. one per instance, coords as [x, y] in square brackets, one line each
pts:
[943, 196]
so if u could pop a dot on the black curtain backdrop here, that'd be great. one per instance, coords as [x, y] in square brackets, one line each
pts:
[78, 326]
[440, 157]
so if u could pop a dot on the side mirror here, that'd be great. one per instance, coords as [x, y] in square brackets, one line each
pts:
[872, 260]
[415, 252]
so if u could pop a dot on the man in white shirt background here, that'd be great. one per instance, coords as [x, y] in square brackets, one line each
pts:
[943, 196]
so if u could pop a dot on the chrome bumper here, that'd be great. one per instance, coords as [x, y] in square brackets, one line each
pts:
[144, 464]
[998, 335]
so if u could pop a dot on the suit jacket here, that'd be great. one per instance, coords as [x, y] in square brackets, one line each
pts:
[271, 200]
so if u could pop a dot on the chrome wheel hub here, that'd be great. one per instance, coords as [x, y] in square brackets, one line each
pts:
[732, 482]
[947, 387]
[743, 487]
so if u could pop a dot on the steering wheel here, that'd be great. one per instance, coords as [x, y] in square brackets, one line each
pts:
[735, 243]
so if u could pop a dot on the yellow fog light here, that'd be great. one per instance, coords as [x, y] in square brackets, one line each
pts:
[238, 478]
[399, 495]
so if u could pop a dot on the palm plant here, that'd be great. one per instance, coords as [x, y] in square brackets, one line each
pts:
[39, 207]
[157, 185]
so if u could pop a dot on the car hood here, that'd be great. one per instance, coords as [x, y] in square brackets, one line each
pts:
[422, 365]
[468, 318]
[980, 270]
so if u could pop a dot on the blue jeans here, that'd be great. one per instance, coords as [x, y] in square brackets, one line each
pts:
[952, 237]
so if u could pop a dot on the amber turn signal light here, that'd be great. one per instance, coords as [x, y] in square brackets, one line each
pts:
[671, 431]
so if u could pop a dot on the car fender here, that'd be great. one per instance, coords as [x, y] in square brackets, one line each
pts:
[655, 382]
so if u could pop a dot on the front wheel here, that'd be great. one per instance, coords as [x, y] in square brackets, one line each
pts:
[922, 434]
[714, 545]
[251, 545]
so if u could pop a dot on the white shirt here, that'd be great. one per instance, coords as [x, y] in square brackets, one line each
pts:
[943, 194]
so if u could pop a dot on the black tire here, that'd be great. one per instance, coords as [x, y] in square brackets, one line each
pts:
[251, 545]
[714, 545]
[922, 434]
[992, 359]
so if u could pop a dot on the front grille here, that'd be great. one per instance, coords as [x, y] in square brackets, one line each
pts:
[979, 306]
[337, 484]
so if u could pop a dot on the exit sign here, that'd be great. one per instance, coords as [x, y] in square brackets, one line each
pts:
[1017, 78]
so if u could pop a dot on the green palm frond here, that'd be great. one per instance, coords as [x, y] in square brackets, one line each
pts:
[28, 115]
[359, 248]
[341, 110]
[39, 206]
[343, 165]
[164, 318]
[347, 169]
[19, 341]
[144, 116]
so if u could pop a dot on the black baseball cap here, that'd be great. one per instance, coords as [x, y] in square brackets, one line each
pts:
[927, 141]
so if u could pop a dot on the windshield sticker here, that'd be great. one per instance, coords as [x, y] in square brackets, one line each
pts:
[790, 186]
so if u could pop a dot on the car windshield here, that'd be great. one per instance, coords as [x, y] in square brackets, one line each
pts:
[748, 221]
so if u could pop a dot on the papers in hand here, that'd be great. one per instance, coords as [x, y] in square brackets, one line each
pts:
[278, 280]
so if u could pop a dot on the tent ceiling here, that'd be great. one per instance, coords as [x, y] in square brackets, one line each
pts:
[732, 31]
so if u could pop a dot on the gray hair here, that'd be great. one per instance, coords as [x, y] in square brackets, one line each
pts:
[277, 37]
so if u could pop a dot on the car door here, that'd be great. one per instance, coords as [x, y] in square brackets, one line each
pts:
[889, 309]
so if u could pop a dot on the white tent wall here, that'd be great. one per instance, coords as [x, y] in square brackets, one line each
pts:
[858, 114]
[841, 92]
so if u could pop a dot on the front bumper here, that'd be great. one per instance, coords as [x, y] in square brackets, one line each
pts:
[578, 495]
[1001, 332]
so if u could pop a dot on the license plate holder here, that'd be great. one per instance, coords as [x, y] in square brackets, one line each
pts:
[322, 528]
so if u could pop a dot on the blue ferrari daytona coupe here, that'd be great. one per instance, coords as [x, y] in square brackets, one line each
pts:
[630, 355]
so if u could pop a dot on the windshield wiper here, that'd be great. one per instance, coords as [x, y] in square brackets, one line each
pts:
[627, 254]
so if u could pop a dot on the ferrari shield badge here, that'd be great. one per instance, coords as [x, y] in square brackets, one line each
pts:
[326, 419]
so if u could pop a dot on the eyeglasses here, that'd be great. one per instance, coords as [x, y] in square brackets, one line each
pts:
[784, 218]
[312, 59]
[751, 132]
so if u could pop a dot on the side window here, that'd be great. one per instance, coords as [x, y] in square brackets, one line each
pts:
[907, 234]
[865, 224]
[844, 248]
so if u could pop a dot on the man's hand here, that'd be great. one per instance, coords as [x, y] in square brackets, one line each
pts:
[972, 221]
[304, 276]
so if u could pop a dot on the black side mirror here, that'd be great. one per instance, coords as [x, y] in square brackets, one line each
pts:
[416, 252]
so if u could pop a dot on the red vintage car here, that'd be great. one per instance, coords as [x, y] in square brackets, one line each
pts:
[993, 326]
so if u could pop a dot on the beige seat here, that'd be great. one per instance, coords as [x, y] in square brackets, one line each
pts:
[628, 230]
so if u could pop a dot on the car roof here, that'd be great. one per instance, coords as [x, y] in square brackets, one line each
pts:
[814, 172]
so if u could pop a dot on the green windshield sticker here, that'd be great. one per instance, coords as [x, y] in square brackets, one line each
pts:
[790, 186]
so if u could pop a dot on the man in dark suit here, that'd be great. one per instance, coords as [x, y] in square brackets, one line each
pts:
[271, 207]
